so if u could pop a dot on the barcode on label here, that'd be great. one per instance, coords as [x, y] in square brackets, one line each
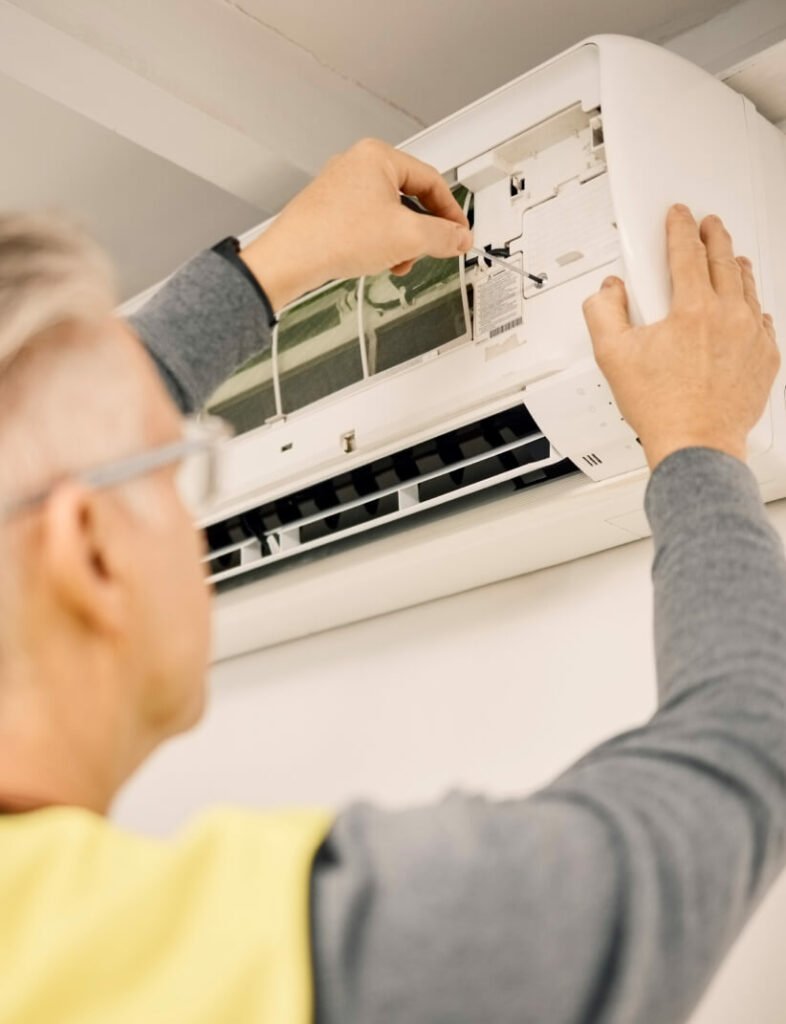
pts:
[506, 327]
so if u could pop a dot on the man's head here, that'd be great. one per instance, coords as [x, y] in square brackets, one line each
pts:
[103, 607]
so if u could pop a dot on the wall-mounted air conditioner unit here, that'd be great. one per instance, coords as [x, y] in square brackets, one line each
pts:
[408, 438]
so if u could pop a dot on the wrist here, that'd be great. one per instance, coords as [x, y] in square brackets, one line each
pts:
[658, 449]
[284, 271]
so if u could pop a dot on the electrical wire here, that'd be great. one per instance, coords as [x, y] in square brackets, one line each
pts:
[274, 363]
[362, 328]
[463, 277]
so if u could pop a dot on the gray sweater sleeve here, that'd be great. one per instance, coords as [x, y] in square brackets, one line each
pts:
[611, 896]
[201, 326]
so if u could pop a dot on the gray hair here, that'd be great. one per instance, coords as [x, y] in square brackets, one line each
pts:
[67, 397]
[51, 272]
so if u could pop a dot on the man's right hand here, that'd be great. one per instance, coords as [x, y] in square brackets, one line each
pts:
[702, 376]
[350, 221]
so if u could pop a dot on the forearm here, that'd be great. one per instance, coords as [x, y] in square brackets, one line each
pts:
[612, 895]
[719, 582]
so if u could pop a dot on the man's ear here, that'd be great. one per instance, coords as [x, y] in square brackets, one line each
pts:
[82, 553]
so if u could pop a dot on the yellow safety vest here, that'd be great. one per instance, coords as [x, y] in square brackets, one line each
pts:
[98, 926]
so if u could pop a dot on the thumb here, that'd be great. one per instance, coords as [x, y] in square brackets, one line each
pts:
[442, 238]
[606, 312]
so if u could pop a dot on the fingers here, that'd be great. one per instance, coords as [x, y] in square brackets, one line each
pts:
[606, 313]
[749, 285]
[401, 269]
[752, 298]
[769, 327]
[690, 275]
[436, 237]
[416, 178]
[775, 352]
[723, 267]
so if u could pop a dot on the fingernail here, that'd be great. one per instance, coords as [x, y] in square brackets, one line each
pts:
[745, 262]
[680, 208]
[610, 282]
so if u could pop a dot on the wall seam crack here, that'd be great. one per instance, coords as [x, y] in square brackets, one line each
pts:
[235, 5]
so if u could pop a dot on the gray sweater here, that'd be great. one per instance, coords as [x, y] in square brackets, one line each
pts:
[611, 896]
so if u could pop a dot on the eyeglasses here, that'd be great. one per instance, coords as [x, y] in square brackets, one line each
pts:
[197, 475]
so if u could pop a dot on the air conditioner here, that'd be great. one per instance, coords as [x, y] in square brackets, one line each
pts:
[409, 438]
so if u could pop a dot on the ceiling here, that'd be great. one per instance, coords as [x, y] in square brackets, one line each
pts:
[763, 80]
[166, 124]
[432, 58]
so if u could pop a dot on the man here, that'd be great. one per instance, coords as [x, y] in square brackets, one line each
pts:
[610, 896]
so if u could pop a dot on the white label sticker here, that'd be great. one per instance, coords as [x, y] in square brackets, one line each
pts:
[498, 303]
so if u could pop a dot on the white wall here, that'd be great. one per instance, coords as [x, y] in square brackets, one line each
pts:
[148, 213]
[495, 690]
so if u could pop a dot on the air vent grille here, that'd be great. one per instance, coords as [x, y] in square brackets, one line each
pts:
[496, 455]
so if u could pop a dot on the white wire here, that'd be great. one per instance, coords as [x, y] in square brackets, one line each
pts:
[463, 277]
[362, 328]
[274, 362]
[312, 294]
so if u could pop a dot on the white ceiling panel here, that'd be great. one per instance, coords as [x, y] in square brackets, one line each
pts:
[763, 80]
[432, 57]
[213, 56]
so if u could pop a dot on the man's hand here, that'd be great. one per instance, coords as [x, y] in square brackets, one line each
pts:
[349, 221]
[702, 376]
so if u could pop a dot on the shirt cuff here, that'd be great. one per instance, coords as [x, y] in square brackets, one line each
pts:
[229, 248]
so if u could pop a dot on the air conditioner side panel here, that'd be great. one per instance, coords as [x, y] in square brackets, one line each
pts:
[768, 157]
[674, 134]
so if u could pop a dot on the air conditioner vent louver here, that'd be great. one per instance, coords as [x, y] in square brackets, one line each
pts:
[490, 457]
